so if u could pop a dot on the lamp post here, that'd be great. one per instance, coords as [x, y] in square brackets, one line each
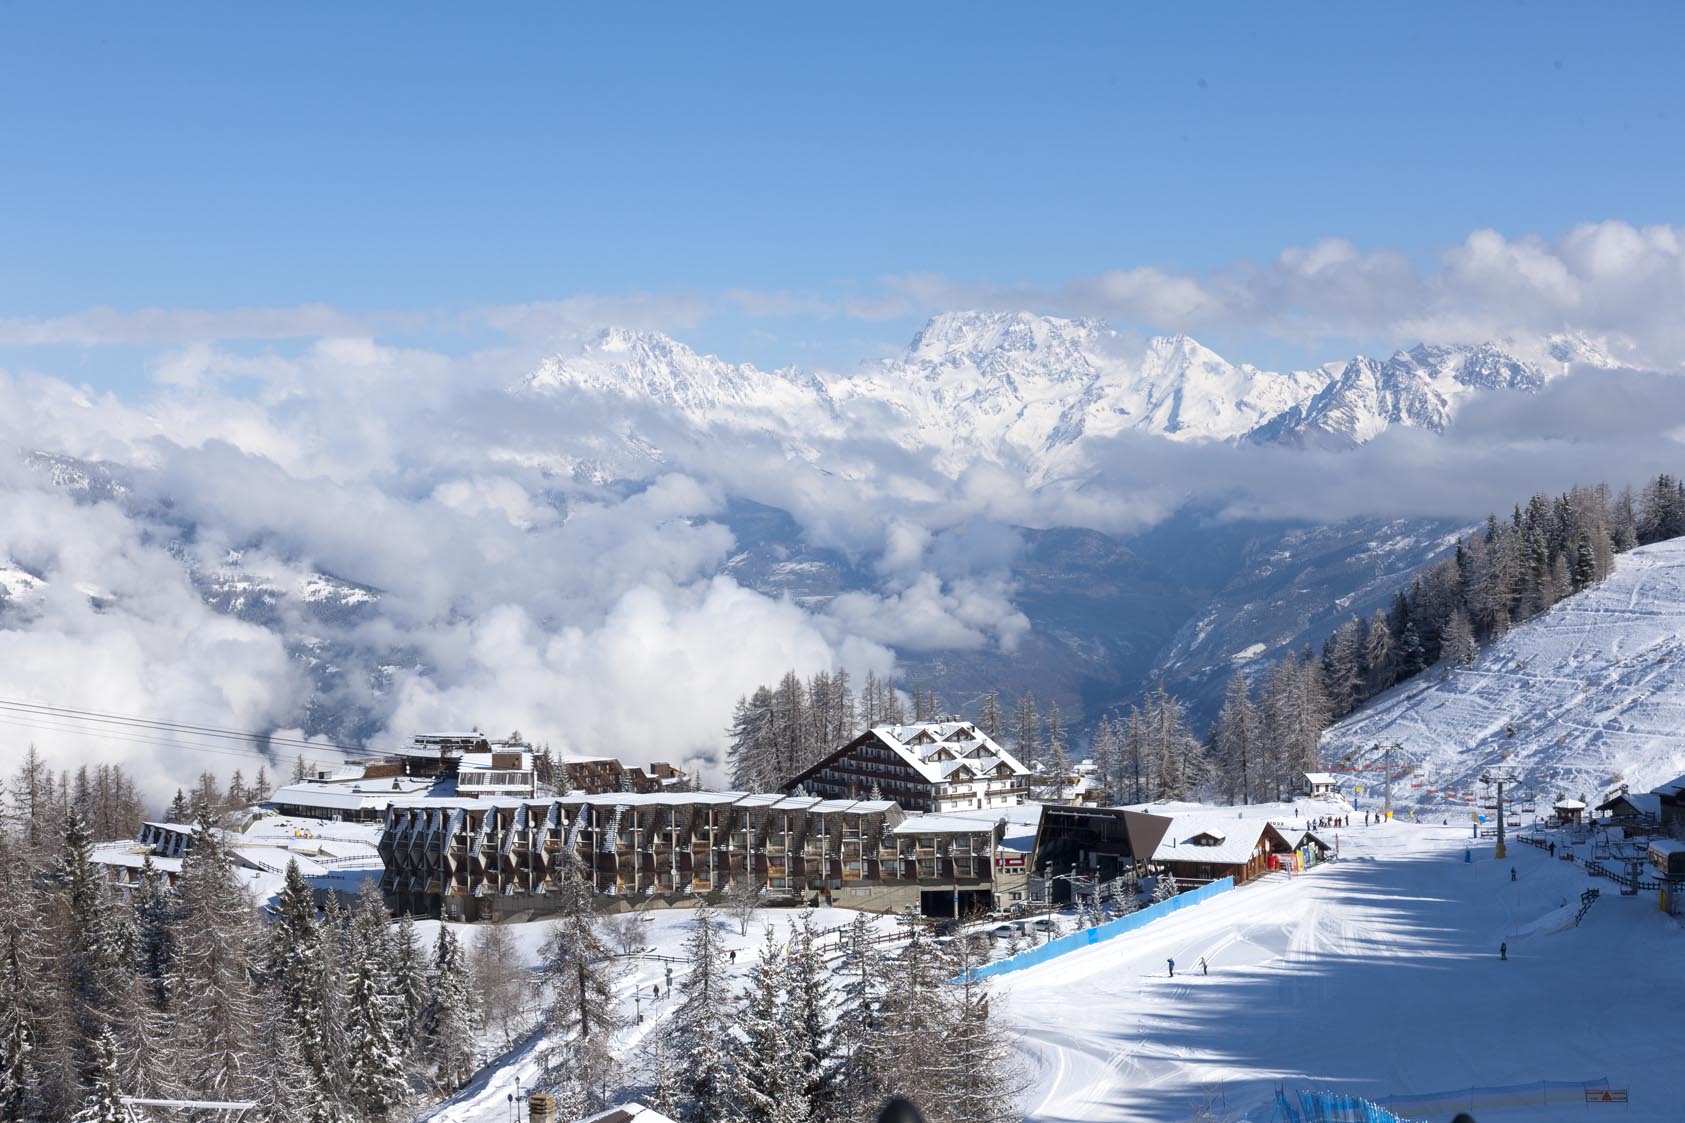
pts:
[1047, 891]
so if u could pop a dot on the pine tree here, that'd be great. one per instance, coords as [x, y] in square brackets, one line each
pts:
[1234, 741]
[450, 1014]
[21, 967]
[104, 1103]
[1457, 646]
[766, 1073]
[982, 1073]
[374, 1081]
[1027, 732]
[213, 1052]
[1379, 660]
[809, 1016]
[409, 983]
[1057, 753]
[694, 1044]
[990, 721]
[576, 966]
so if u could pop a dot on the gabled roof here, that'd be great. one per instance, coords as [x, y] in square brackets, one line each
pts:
[1670, 790]
[1647, 803]
[924, 745]
[1179, 843]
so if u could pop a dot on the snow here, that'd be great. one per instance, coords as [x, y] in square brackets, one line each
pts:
[1031, 392]
[1322, 981]
[484, 1099]
[1587, 696]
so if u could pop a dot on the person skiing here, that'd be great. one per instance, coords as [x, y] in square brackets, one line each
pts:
[1503, 950]
[1203, 969]
[1512, 873]
[1553, 849]
[1172, 963]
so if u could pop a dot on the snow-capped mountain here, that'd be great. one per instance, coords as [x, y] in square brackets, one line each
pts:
[1589, 695]
[1035, 391]
[648, 367]
[1420, 389]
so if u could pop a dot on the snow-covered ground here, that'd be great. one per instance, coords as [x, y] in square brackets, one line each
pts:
[1375, 974]
[1587, 696]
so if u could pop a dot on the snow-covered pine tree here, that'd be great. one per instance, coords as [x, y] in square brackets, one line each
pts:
[293, 971]
[766, 1071]
[856, 1090]
[409, 986]
[213, 1051]
[576, 965]
[21, 928]
[1457, 646]
[451, 1016]
[810, 1001]
[286, 1088]
[103, 1102]
[1165, 887]
[375, 1080]
[91, 960]
[693, 1047]
[153, 908]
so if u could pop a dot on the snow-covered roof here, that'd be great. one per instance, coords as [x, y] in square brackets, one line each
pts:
[1570, 805]
[924, 745]
[628, 1113]
[1321, 778]
[1666, 846]
[353, 795]
[135, 858]
[1645, 803]
[1178, 844]
[942, 824]
[1671, 789]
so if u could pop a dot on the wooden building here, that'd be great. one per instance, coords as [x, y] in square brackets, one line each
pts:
[928, 766]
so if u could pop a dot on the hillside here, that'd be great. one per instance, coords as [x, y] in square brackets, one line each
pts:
[1587, 696]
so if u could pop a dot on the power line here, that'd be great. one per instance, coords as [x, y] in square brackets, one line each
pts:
[131, 729]
[174, 726]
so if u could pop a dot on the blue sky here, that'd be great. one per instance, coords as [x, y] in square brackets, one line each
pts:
[432, 159]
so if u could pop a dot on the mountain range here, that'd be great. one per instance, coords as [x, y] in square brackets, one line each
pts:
[1044, 399]
[1035, 392]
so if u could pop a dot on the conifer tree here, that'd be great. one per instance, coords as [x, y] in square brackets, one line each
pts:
[694, 1046]
[766, 1074]
[990, 720]
[103, 1103]
[213, 1052]
[1235, 741]
[584, 1017]
[374, 1080]
[450, 1014]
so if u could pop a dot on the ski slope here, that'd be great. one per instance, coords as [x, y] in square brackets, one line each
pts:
[1589, 695]
[1375, 974]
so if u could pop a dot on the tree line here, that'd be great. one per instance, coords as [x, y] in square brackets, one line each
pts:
[1266, 733]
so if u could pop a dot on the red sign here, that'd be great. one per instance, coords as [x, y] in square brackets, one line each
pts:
[1010, 861]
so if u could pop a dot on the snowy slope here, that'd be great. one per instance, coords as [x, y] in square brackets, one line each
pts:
[1374, 975]
[1594, 691]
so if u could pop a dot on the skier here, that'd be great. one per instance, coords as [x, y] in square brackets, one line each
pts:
[1203, 969]
[1553, 850]
[734, 955]
[1503, 951]
[1512, 873]
[655, 991]
[1172, 963]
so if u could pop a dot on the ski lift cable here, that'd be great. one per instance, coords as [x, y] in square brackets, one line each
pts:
[212, 731]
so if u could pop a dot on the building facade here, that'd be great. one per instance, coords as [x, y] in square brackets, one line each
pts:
[930, 766]
[500, 859]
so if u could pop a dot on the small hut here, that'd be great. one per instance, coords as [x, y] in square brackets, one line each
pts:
[1569, 810]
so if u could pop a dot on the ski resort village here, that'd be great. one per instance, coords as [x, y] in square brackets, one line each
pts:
[1463, 895]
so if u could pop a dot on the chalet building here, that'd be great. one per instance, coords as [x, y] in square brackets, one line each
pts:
[597, 775]
[498, 859]
[930, 766]
[1632, 809]
[1321, 785]
[1670, 801]
[1202, 848]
